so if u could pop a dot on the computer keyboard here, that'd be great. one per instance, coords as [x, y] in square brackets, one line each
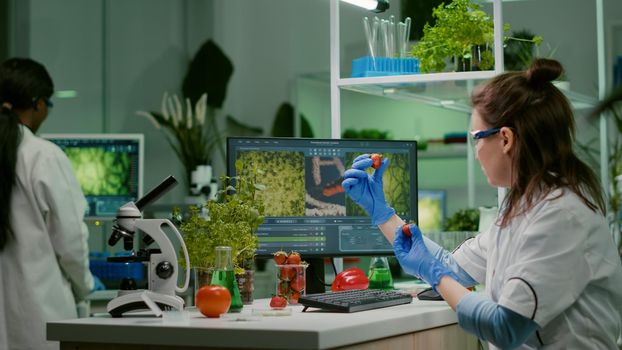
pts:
[355, 300]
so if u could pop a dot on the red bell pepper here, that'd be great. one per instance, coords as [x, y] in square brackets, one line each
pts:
[352, 278]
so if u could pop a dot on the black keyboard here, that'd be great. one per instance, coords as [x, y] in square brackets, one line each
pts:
[355, 300]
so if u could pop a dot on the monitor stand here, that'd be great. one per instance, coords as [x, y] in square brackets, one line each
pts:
[315, 276]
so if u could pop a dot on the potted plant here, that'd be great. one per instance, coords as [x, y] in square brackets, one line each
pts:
[464, 33]
[232, 221]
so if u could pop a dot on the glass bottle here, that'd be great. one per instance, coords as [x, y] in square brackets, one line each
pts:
[379, 273]
[225, 276]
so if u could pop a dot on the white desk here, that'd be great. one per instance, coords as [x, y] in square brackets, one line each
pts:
[419, 325]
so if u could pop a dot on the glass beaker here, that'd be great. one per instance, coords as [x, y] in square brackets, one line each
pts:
[225, 276]
[379, 273]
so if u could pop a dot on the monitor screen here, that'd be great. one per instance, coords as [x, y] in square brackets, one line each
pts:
[109, 168]
[305, 207]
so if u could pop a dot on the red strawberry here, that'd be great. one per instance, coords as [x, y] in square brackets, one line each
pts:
[377, 160]
[278, 302]
[406, 230]
[280, 257]
[293, 258]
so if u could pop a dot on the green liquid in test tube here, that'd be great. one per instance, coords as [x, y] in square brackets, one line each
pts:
[224, 276]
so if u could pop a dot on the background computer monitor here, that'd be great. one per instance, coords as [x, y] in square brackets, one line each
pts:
[306, 209]
[109, 168]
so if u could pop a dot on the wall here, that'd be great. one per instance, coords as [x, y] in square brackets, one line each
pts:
[121, 56]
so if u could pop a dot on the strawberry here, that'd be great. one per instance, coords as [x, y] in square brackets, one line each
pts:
[280, 257]
[287, 273]
[377, 160]
[278, 302]
[293, 299]
[293, 258]
[297, 284]
[406, 230]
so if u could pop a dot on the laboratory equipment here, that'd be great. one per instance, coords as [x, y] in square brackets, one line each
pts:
[379, 273]
[224, 276]
[355, 300]
[109, 168]
[163, 265]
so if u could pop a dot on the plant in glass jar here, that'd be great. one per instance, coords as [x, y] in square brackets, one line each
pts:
[232, 221]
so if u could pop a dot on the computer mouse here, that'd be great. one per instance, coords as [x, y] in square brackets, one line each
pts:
[429, 294]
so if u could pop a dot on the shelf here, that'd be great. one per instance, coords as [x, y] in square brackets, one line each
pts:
[444, 152]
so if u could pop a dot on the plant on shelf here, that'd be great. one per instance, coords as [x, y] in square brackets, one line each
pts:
[460, 26]
[465, 33]
[233, 221]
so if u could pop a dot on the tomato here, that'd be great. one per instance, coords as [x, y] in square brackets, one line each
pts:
[287, 272]
[280, 257]
[278, 302]
[293, 258]
[406, 230]
[293, 299]
[377, 160]
[352, 278]
[212, 301]
[298, 283]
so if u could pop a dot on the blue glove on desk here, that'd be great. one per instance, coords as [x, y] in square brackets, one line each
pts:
[366, 190]
[415, 258]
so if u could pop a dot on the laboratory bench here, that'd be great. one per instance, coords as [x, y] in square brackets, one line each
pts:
[418, 325]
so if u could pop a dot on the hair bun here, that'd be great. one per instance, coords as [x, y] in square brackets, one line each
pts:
[543, 70]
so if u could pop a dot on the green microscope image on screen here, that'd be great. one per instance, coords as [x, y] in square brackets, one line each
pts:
[99, 172]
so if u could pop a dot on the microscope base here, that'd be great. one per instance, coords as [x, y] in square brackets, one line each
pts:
[140, 300]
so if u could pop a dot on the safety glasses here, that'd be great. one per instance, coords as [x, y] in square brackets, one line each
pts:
[482, 134]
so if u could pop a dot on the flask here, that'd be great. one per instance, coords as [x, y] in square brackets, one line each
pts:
[224, 276]
[379, 273]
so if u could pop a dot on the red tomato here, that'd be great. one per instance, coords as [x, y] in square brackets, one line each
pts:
[377, 160]
[293, 258]
[352, 278]
[280, 257]
[297, 284]
[406, 230]
[278, 302]
[212, 301]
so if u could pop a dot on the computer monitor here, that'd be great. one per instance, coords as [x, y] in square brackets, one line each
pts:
[109, 168]
[305, 207]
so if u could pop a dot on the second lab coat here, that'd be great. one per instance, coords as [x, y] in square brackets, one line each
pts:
[44, 266]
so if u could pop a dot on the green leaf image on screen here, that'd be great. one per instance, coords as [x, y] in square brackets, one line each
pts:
[283, 175]
[101, 173]
[395, 180]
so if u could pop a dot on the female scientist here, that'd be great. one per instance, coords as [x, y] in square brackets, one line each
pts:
[552, 275]
[43, 241]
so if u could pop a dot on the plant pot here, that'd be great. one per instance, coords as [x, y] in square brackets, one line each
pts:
[246, 286]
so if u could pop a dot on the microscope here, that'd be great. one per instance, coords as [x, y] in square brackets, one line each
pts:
[162, 263]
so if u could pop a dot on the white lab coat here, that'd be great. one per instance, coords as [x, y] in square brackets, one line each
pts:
[557, 265]
[44, 268]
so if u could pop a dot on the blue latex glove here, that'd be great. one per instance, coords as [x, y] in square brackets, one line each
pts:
[366, 190]
[415, 258]
[97, 284]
